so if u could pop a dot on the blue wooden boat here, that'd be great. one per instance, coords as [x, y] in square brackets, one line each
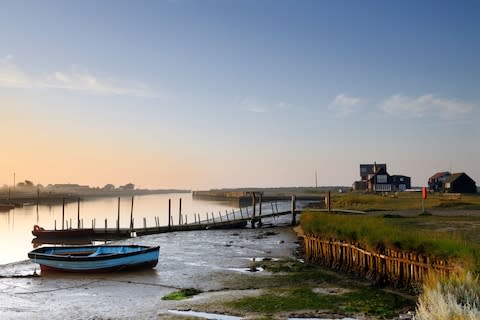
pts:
[101, 258]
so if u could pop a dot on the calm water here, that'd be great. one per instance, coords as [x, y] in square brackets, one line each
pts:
[17, 224]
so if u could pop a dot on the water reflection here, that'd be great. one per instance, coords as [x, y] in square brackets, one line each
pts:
[16, 225]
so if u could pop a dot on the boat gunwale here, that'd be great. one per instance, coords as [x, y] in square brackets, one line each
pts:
[38, 254]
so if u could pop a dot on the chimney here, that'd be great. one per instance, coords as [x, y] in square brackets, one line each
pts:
[375, 167]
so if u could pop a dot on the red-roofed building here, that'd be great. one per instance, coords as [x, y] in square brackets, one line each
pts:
[437, 181]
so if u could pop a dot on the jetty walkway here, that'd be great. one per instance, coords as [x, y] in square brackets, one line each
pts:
[254, 216]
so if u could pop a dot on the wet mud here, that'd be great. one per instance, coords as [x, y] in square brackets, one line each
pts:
[198, 259]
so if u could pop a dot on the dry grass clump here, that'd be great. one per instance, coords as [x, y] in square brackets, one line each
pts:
[457, 298]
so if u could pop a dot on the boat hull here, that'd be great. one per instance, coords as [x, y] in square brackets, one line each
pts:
[86, 259]
[61, 234]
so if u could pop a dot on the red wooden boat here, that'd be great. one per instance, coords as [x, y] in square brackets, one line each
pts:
[41, 233]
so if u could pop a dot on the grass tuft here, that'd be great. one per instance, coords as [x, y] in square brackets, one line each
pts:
[181, 294]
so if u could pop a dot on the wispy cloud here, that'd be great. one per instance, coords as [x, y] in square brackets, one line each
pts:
[253, 105]
[11, 76]
[425, 106]
[75, 79]
[343, 105]
[256, 105]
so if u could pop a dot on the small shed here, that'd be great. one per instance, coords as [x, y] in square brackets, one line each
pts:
[461, 183]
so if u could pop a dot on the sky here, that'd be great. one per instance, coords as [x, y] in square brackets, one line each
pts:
[214, 94]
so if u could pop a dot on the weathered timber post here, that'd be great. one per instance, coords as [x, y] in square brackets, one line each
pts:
[55, 224]
[105, 225]
[294, 215]
[78, 214]
[260, 209]
[180, 211]
[144, 223]
[220, 215]
[226, 215]
[70, 223]
[118, 215]
[131, 216]
[254, 204]
[63, 212]
[169, 213]
[233, 212]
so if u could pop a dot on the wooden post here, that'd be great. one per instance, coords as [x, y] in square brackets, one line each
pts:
[180, 211]
[131, 216]
[273, 211]
[144, 223]
[254, 203]
[294, 214]
[260, 209]
[105, 225]
[118, 215]
[226, 214]
[55, 224]
[233, 212]
[70, 223]
[220, 215]
[213, 218]
[199, 218]
[169, 213]
[78, 214]
[63, 212]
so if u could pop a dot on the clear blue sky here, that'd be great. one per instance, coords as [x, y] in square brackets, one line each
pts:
[201, 94]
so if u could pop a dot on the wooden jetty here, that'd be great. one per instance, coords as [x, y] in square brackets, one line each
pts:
[228, 220]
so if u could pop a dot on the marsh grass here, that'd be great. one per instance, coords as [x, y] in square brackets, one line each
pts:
[181, 294]
[454, 298]
[377, 232]
[291, 286]
[403, 201]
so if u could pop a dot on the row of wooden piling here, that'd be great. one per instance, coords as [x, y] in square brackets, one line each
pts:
[394, 267]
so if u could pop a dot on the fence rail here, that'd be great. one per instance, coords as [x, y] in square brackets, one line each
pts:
[399, 268]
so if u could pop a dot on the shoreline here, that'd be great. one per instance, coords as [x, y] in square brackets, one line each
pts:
[215, 262]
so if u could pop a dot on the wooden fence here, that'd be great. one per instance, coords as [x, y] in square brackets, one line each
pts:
[398, 268]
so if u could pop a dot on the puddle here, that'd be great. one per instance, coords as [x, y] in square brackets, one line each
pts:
[204, 315]
[253, 269]
[260, 259]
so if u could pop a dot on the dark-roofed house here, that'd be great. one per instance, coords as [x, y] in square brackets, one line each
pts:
[367, 170]
[401, 183]
[437, 181]
[461, 183]
[380, 181]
